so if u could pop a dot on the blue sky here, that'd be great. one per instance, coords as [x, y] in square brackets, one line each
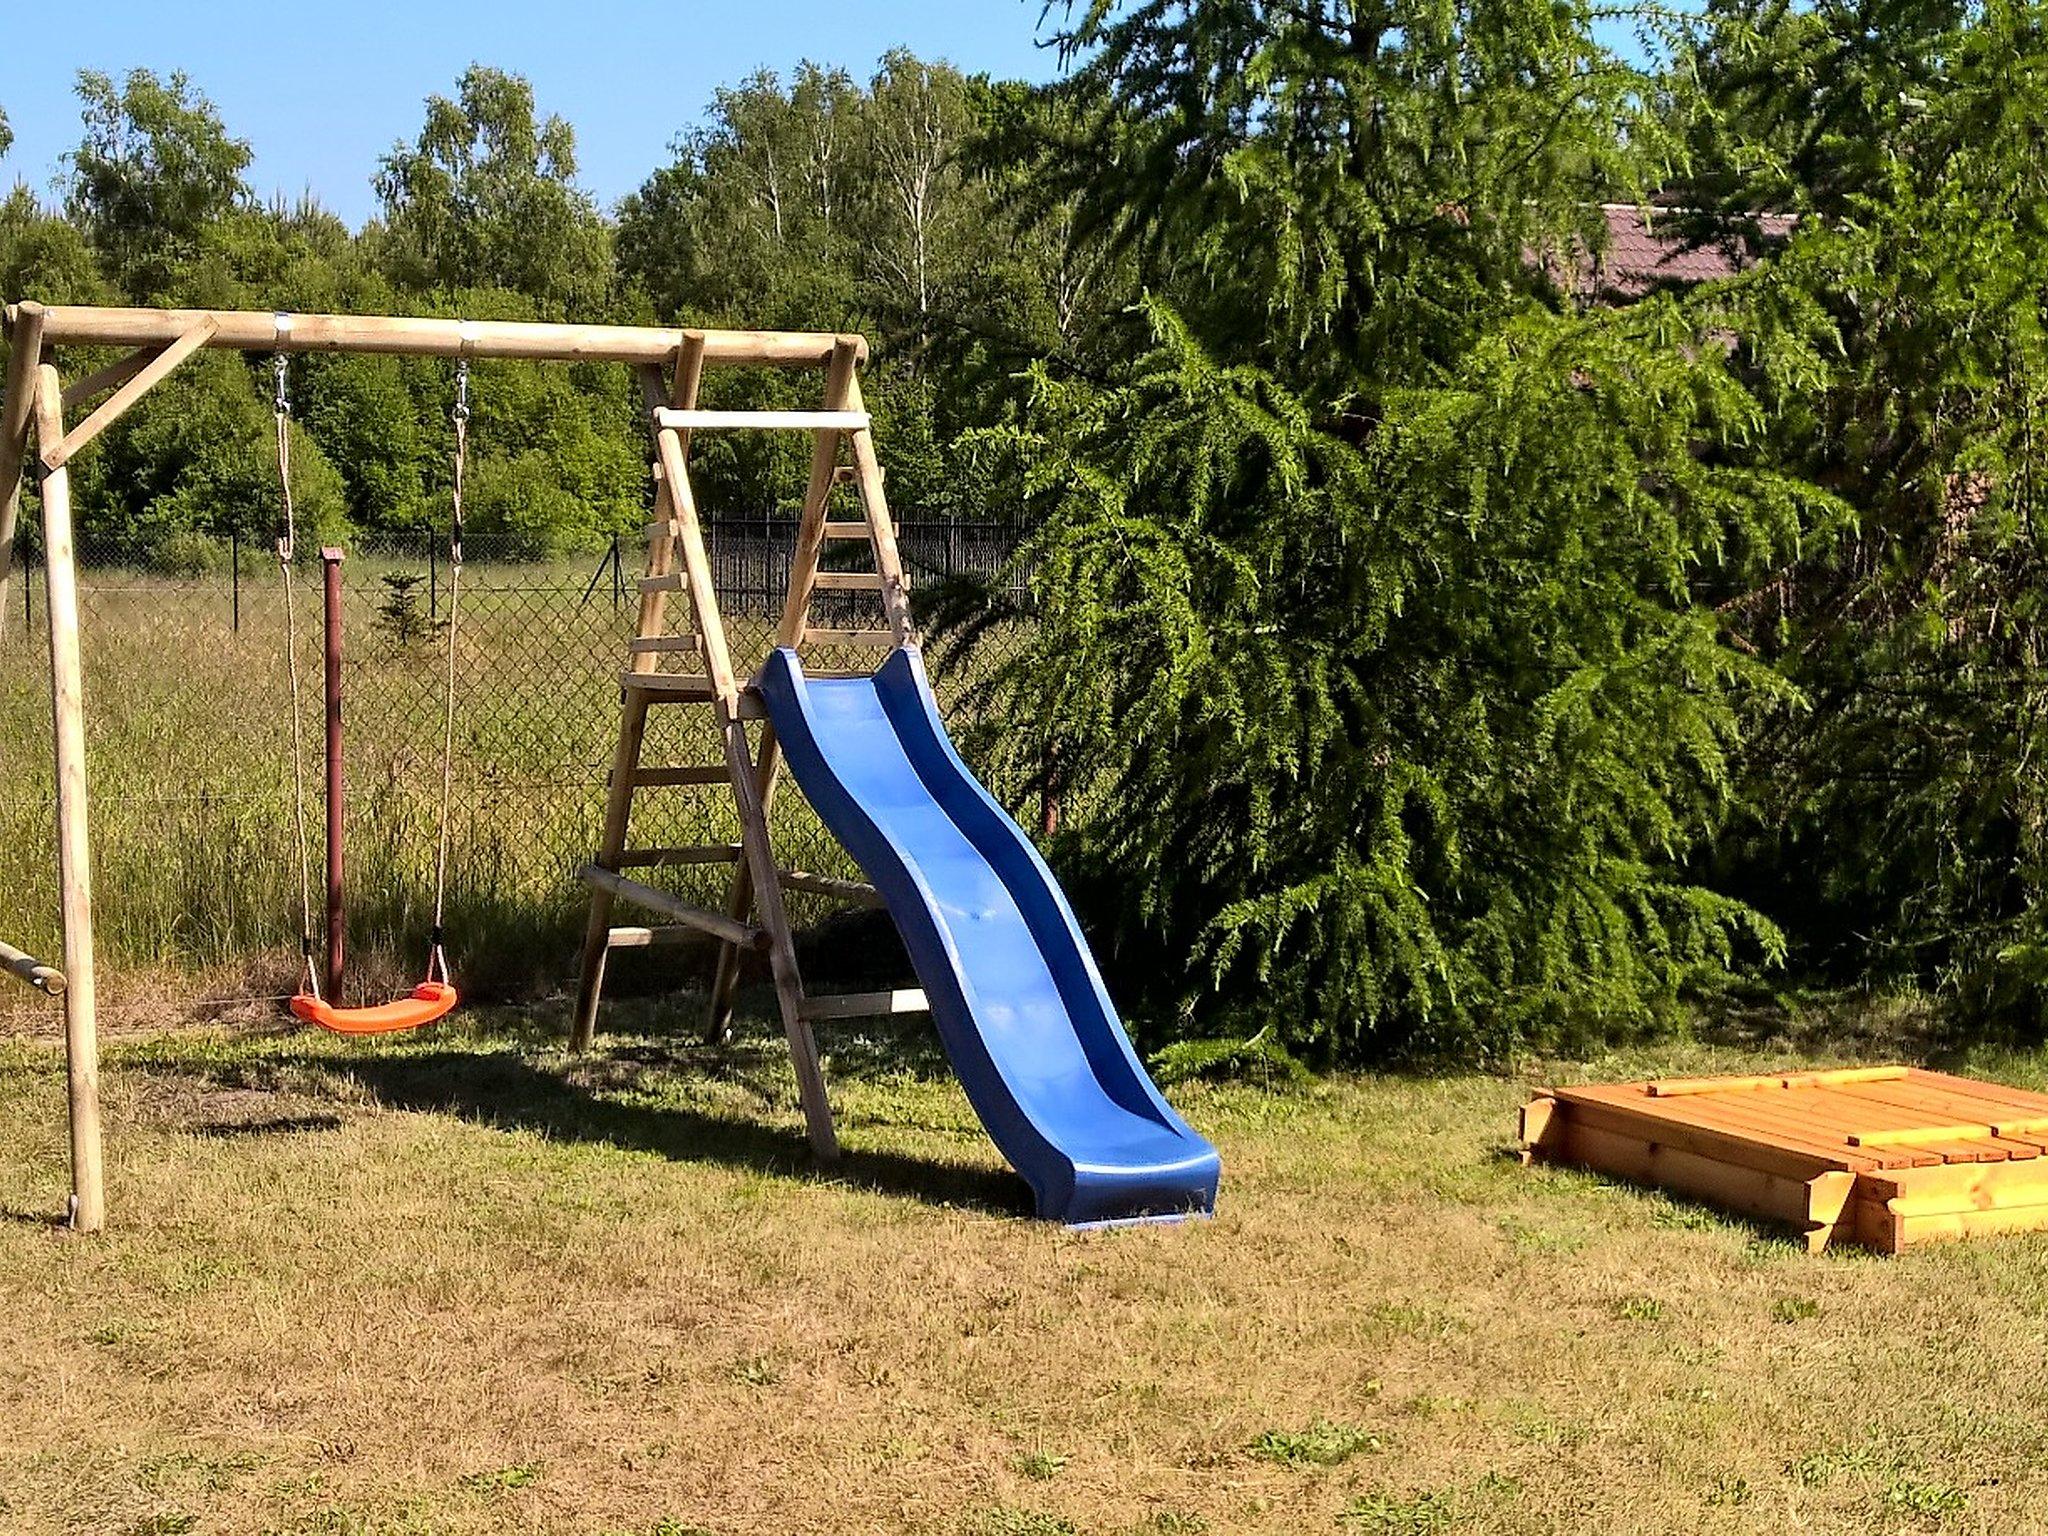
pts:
[321, 90]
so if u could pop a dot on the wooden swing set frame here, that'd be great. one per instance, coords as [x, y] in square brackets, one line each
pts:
[669, 364]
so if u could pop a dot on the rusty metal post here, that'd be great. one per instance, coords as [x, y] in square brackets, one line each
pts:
[337, 930]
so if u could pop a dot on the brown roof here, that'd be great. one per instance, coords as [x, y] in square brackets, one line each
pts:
[1646, 250]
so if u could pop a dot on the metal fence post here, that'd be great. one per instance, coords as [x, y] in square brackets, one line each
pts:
[235, 578]
[337, 930]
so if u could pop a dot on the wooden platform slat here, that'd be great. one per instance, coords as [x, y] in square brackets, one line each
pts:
[650, 778]
[2011, 1130]
[1677, 1087]
[1853, 1119]
[1776, 1114]
[1736, 1123]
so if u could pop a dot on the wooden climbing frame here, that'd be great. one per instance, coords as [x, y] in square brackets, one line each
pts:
[670, 362]
[1884, 1157]
[694, 666]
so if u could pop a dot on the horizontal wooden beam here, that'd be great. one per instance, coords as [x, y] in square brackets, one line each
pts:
[761, 421]
[858, 1005]
[630, 937]
[825, 885]
[717, 924]
[1681, 1087]
[259, 331]
[702, 853]
[648, 778]
[44, 978]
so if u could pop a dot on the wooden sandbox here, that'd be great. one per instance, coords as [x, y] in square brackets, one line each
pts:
[1881, 1156]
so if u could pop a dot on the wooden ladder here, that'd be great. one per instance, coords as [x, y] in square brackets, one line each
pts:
[755, 919]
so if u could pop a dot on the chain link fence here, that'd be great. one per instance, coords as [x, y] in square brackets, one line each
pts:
[189, 748]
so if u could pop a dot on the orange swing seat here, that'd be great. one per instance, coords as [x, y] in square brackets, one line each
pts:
[430, 1000]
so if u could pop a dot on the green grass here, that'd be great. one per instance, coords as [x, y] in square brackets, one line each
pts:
[466, 1283]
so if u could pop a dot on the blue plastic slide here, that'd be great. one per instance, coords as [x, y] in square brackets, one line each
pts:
[1018, 1001]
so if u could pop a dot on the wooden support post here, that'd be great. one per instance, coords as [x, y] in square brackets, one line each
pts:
[740, 763]
[796, 608]
[16, 412]
[867, 474]
[618, 809]
[74, 859]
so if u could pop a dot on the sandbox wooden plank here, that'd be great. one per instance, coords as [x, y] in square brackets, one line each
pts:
[1771, 1120]
[1825, 1114]
[1999, 1129]
[2001, 1094]
[1662, 1165]
[1669, 1115]
[1722, 1143]
[1850, 1117]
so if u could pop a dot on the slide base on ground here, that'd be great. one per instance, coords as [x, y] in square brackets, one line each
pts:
[1018, 1002]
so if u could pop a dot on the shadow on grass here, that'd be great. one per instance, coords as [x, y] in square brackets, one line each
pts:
[501, 1090]
[487, 1084]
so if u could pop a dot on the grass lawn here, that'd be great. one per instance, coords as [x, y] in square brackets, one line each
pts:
[467, 1284]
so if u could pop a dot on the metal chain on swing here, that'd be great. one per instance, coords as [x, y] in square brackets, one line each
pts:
[437, 959]
[287, 535]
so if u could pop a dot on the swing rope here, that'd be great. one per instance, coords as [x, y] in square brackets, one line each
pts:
[287, 536]
[438, 958]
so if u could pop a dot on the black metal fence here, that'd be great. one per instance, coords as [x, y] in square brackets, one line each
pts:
[189, 741]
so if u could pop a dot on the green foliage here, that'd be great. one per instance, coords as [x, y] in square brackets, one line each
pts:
[155, 170]
[1904, 818]
[1260, 1058]
[1412, 663]
[486, 197]
[1328, 185]
[1397, 744]
[199, 454]
[402, 615]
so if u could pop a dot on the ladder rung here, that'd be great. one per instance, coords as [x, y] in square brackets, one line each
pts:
[882, 637]
[772, 421]
[650, 778]
[825, 885]
[703, 853]
[848, 581]
[654, 899]
[667, 528]
[689, 688]
[645, 938]
[694, 684]
[856, 1005]
[846, 530]
[644, 644]
[671, 582]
